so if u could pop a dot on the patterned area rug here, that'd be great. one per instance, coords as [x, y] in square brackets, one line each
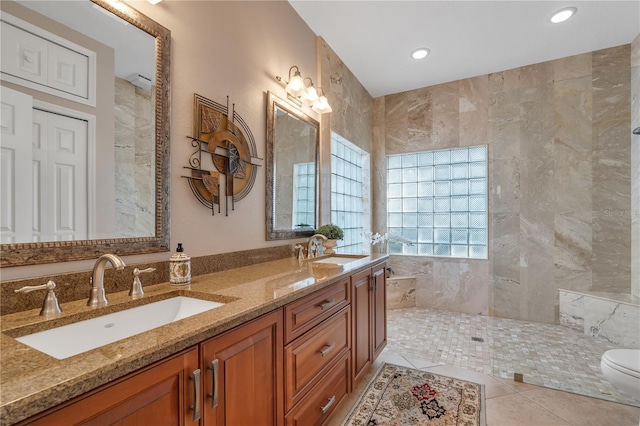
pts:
[405, 396]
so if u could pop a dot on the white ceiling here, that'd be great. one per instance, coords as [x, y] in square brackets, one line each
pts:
[466, 38]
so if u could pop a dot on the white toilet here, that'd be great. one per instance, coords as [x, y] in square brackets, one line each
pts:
[622, 368]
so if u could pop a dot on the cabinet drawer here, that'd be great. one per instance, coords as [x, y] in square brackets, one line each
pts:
[302, 315]
[323, 400]
[307, 356]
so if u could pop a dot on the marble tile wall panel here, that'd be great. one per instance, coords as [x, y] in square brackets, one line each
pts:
[475, 286]
[573, 145]
[419, 267]
[352, 116]
[635, 52]
[419, 117]
[572, 310]
[125, 161]
[135, 161]
[447, 284]
[612, 320]
[401, 292]
[379, 168]
[445, 122]
[396, 126]
[635, 167]
[611, 170]
[506, 242]
[572, 67]
[572, 250]
[616, 322]
[145, 162]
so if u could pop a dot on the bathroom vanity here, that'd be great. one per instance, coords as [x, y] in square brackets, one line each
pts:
[287, 346]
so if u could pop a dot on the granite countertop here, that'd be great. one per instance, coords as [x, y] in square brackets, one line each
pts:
[31, 381]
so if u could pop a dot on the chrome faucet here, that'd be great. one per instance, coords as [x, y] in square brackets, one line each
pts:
[312, 246]
[97, 296]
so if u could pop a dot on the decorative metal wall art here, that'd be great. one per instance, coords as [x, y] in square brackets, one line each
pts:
[224, 164]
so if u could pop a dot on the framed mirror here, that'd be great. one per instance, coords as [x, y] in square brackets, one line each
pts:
[292, 171]
[113, 196]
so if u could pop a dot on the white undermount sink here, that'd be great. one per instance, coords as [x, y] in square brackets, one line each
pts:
[69, 340]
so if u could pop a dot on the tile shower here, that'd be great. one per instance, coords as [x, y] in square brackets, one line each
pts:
[560, 172]
[558, 137]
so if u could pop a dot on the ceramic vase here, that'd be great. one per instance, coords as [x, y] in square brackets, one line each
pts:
[329, 246]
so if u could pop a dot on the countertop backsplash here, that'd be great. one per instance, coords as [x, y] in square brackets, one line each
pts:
[76, 285]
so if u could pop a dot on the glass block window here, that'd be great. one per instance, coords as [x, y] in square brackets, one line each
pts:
[304, 182]
[349, 165]
[438, 200]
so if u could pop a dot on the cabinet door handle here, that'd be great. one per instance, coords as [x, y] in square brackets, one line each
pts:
[324, 351]
[327, 304]
[328, 405]
[214, 380]
[195, 378]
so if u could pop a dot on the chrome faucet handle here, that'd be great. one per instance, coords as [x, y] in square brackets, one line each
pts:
[300, 251]
[50, 306]
[136, 287]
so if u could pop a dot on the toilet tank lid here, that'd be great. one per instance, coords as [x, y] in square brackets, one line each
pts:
[627, 358]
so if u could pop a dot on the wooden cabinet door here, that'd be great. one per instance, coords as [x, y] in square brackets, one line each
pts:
[160, 395]
[379, 311]
[243, 382]
[361, 304]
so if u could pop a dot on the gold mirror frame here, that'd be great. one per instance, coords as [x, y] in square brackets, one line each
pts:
[64, 251]
[284, 234]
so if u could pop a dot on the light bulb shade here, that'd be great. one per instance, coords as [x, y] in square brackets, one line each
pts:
[322, 105]
[310, 96]
[295, 87]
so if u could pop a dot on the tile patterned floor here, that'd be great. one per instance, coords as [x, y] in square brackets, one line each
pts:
[550, 357]
[546, 355]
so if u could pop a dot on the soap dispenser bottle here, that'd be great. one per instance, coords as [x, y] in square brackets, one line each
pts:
[180, 267]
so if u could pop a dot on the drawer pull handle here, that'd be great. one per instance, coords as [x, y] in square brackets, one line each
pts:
[214, 380]
[329, 404]
[327, 304]
[195, 378]
[324, 351]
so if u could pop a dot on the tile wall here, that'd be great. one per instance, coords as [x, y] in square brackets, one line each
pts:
[635, 167]
[560, 173]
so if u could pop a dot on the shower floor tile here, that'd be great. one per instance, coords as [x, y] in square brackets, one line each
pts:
[546, 355]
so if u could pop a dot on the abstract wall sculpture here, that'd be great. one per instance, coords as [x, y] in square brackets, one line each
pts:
[224, 164]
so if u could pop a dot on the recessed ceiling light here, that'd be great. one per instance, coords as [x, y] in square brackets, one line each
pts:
[420, 53]
[563, 14]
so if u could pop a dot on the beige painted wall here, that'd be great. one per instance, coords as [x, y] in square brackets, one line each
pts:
[219, 49]
[560, 175]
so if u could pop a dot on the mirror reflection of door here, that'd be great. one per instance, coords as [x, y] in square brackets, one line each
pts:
[43, 173]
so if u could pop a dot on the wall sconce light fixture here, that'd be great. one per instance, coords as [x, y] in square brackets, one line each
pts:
[302, 91]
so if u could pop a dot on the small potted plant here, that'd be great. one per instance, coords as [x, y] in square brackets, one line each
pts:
[333, 234]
